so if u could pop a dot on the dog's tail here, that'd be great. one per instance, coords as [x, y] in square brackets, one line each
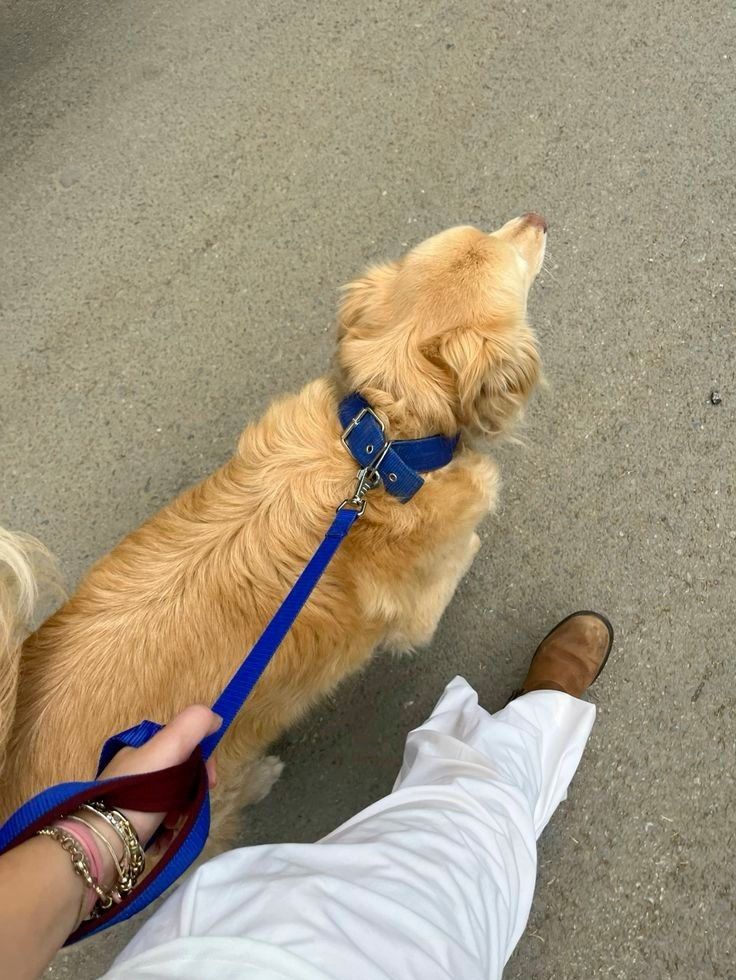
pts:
[26, 568]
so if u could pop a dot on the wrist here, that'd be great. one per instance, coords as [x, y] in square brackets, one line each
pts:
[105, 854]
[79, 845]
[99, 856]
[70, 889]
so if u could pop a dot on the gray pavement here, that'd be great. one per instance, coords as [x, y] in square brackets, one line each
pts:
[184, 187]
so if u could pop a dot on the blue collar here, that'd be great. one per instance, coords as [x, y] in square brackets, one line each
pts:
[397, 463]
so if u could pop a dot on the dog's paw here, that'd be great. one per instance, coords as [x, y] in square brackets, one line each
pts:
[262, 777]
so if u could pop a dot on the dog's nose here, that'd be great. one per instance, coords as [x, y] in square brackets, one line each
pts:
[536, 220]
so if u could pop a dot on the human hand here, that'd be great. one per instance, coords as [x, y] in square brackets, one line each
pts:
[43, 896]
[168, 747]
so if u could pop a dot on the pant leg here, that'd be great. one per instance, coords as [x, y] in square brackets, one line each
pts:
[433, 882]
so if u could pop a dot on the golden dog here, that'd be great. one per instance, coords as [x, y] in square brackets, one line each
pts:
[437, 342]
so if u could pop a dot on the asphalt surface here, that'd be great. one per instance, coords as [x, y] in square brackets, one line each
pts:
[184, 187]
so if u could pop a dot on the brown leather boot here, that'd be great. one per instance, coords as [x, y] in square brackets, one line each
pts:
[571, 656]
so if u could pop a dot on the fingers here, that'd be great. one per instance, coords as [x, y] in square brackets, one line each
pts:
[176, 742]
[184, 732]
[168, 747]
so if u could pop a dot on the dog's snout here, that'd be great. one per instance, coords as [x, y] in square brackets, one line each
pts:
[535, 220]
[528, 235]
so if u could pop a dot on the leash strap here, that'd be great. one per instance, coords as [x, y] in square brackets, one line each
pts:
[184, 788]
[245, 678]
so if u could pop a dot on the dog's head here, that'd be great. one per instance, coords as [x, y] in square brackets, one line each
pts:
[439, 340]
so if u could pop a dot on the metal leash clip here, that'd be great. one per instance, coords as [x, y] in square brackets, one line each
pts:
[368, 479]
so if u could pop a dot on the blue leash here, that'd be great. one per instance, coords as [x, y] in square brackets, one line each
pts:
[247, 675]
[184, 788]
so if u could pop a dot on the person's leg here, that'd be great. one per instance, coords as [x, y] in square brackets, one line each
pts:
[434, 881]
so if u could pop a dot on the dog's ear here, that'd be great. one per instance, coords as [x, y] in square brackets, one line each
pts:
[492, 374]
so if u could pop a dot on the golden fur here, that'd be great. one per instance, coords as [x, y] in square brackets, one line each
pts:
[437, 342]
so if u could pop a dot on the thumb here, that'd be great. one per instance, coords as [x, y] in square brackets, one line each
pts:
[177, 740]
[168, 747]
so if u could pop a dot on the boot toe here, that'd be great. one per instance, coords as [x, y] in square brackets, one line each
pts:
[572, 655]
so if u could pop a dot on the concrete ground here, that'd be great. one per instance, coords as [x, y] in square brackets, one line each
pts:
[184, 187]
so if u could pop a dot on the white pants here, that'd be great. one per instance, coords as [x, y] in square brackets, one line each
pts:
[434, 882]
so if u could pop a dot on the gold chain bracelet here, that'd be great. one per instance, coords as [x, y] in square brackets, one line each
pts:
[79, 863]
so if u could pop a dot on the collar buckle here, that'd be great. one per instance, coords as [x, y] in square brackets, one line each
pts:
[356, 420]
